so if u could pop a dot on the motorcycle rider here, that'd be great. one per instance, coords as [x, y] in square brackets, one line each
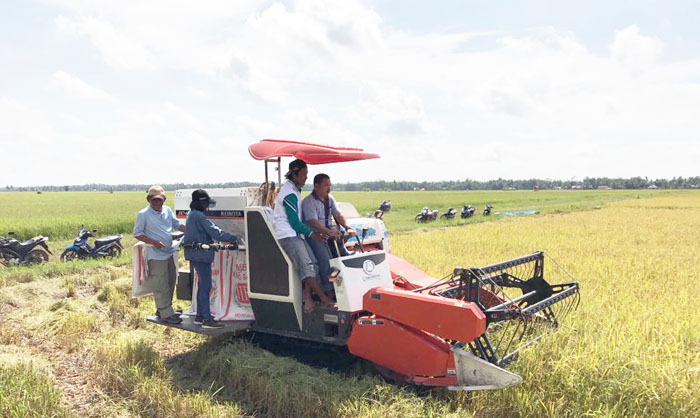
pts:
[200, 230]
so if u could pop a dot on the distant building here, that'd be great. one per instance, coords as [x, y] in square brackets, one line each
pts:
[653, 186]
[603, 187]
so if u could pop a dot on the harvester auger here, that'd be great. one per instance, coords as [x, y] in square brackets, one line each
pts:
[458, 332]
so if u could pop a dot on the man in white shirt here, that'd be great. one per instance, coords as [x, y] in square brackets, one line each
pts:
[293, 235]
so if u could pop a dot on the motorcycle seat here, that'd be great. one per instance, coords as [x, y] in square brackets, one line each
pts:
[106, 240]
[29, 242]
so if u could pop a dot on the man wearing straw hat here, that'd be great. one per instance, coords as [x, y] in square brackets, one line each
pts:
[154, 225]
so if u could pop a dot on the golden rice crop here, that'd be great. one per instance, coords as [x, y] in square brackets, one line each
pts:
[633, 348]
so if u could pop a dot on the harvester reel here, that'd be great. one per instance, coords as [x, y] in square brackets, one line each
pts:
[519, 304]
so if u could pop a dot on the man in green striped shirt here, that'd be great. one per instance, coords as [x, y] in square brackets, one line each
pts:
[291, 233]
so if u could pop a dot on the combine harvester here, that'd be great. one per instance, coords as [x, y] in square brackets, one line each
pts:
[457, 332]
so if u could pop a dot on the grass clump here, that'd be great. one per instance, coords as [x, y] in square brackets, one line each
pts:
[27, 387]
[68, 322]
[274, 386]
[129, 367]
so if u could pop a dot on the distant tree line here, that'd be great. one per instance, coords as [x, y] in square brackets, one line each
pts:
[126, 187]
[467, 184]
[510, 184]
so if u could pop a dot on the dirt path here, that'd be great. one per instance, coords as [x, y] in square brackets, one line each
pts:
[71, 371]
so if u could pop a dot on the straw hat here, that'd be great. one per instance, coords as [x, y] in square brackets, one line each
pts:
[155, 191]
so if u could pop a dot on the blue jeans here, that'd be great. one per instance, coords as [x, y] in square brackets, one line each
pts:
[323, 255]
[341, 248]
[203, 269]
[324, 251]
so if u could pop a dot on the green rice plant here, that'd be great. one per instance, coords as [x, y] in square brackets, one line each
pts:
[131, 368]
[27, 387]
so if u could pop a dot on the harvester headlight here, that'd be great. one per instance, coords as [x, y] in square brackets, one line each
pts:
[334, 276]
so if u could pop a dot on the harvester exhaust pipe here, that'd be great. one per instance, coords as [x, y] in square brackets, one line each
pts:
[361, 239]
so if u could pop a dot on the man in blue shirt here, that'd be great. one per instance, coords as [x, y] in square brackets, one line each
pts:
[200, 230]
[154, 225]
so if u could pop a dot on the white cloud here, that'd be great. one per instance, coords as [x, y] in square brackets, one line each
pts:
[391, 110]
[198, 93]
[156, 34]
[634, 50]
[77, 88]
[72, 119]
[501, 104]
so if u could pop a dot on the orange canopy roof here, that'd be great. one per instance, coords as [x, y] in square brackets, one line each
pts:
[310, 153]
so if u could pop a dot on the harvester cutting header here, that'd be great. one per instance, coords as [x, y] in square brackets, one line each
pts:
[458, 332]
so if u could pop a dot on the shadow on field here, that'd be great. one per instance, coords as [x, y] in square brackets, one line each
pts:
[336, 359]
[275, 376]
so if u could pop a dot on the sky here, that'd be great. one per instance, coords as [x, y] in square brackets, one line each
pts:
[99, 91]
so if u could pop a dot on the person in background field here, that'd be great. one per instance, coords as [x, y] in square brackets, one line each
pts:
[200, 230]
[154, 225]
[289, 231]
[317, 210]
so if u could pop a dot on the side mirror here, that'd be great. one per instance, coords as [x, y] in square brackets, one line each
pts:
[94, 230]
[11, 233]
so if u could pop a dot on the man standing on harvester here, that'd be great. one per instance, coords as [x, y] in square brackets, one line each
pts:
[200, 230]
[291, 233]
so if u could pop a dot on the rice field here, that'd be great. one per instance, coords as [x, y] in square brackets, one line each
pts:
[75, 337]
[60, 215]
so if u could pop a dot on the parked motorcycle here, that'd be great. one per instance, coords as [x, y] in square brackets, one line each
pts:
[487, 209]
[451, 212]
[385, 206]
[109, 246]
[34, 250]
[468, 211]
[426, 215]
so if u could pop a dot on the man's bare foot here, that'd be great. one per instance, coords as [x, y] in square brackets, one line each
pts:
[308, 305]
[314, 286]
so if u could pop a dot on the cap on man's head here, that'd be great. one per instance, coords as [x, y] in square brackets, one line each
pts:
[201, 195]
[155, 191]
[295, 166]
